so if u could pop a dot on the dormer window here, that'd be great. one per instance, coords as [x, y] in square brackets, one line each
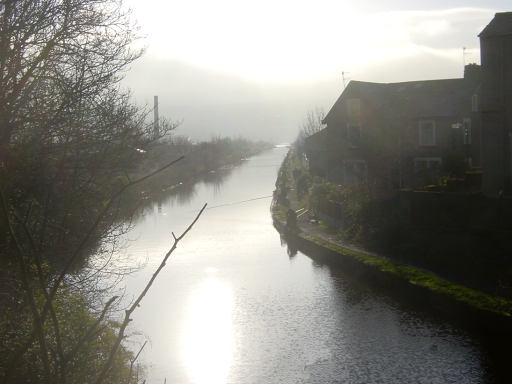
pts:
[427, 133]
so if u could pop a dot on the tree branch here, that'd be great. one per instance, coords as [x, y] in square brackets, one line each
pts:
[37, 319]
[72, 259]
[133, 361]
[136, 303]
[89, 333]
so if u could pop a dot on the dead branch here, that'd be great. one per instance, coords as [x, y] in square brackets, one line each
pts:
[133, 361]
[40, 317]
[136, 303]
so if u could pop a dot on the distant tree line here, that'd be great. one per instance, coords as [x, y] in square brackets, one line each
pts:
[200, 158]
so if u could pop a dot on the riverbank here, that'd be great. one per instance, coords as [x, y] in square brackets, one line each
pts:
[314, 236]
[199, 159]
[206, 161]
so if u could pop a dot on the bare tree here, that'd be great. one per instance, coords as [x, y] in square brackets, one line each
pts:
[69, 143]
[313, 123]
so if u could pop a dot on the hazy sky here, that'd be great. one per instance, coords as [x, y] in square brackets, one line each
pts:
[254, 68]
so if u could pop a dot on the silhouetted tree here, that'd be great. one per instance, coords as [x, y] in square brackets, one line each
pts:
[69, 141]
[311, 125]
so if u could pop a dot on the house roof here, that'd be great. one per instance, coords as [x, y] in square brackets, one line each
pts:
[501, 25]
[428, 98]
[317, 140]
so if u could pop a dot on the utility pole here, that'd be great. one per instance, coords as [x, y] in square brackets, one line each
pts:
[156, 125]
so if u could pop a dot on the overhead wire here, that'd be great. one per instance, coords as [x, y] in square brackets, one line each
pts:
[239, 202]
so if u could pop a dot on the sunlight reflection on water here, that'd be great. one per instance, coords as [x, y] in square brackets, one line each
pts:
[233, 307]
[207, 341]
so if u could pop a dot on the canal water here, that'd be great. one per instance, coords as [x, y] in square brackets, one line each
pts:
[233, 305]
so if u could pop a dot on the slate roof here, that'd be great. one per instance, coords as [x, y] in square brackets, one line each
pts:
[501, 25]
[428, 98]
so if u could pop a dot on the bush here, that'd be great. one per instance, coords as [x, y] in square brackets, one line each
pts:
[74, 317]
[303, 184]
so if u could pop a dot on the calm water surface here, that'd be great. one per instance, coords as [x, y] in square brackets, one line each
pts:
[233, 307]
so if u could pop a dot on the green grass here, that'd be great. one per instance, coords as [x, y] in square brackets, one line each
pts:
[279, 212]
[326, 227]
[472, 297]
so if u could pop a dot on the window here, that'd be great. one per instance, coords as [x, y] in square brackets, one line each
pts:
[355, 172]
[427, 130]
[354, 108]
[354, 135]
[466, 124]
[421, 163]
[474, 103]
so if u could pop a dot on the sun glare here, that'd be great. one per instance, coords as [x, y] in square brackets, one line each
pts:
[287, 40]
[207, 341]
[265, 40]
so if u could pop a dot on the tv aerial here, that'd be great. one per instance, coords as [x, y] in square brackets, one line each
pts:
[343, 73]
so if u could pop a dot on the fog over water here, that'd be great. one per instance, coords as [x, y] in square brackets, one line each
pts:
[213, 104]
[95, 197]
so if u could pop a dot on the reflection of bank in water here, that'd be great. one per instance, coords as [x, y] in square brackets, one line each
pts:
[478, 320]
[290, 243]
[181, 193]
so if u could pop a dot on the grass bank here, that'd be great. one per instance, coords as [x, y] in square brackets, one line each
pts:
[414, 276]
